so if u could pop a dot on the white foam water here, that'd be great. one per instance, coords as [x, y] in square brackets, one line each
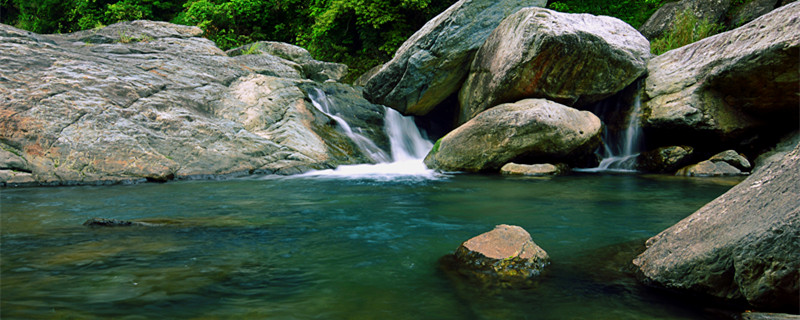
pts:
[408, 149]
[619, 155]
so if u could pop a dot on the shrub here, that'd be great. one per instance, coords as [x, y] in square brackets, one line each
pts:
[686, 29]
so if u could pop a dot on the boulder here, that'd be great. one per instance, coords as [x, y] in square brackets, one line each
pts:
[709, 168]
[507, 254]
[732, 158]
[152, 101]
[728, 85]
[573, 59]
[432, 64]
[768, 316]
[665, 159]
[310, 68]
[531, 130]
[743, 244]
[542, 169]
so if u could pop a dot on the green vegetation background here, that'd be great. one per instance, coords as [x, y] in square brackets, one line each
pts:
[359, 33]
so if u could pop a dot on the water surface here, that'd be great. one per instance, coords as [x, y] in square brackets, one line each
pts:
[320, 247]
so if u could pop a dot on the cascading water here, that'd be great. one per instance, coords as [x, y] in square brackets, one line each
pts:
[320, 100]
[408, 146]
[620, 149]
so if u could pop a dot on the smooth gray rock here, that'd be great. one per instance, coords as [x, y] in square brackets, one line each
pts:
[99, 107]
[573, 59]
[729, 84]
[743, 244]
[431, 65]
[533, 129]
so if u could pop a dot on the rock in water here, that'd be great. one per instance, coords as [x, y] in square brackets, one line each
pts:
[534, 129]
[432, 64]
[506, 254]
[729, 84]
[726, 163]
[541, 169]
[743, 244]
[568, 58]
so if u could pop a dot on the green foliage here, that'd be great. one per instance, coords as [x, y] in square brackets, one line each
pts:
[436, 146]
[634, 12]
[252, 49]
[686, 29]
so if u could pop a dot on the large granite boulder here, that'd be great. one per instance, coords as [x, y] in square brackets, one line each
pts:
[743, 244]
[728, 85]
[531, 131]
[146, 100]
[573, 59]
[432, 64]
[505, 255]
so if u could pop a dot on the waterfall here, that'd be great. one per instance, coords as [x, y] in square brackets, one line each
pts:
[320, 100]
[620, 149]
[408, 146]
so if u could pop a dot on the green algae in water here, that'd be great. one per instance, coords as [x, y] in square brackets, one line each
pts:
[319, 248]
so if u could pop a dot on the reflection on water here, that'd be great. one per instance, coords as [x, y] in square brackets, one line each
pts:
[329, 248]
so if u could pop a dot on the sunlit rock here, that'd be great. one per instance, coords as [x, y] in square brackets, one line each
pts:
[573, 59]
[431, 65]
[532, 130]
[730, 85]
[542, 169]
[504, 256]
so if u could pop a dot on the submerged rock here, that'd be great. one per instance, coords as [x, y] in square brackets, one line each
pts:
[104, 222]
[153, 101]
[573, 59]
[533, 129]
[505, 255]
[431, 65]
[542, 169]
[728, 85]
[743, 244]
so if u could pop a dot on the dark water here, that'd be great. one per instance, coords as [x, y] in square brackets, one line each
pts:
[325, 248]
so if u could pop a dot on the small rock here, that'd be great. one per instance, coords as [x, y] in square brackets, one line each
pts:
[709, 168]
[732, 158]
[506, 254]
[543, 169]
